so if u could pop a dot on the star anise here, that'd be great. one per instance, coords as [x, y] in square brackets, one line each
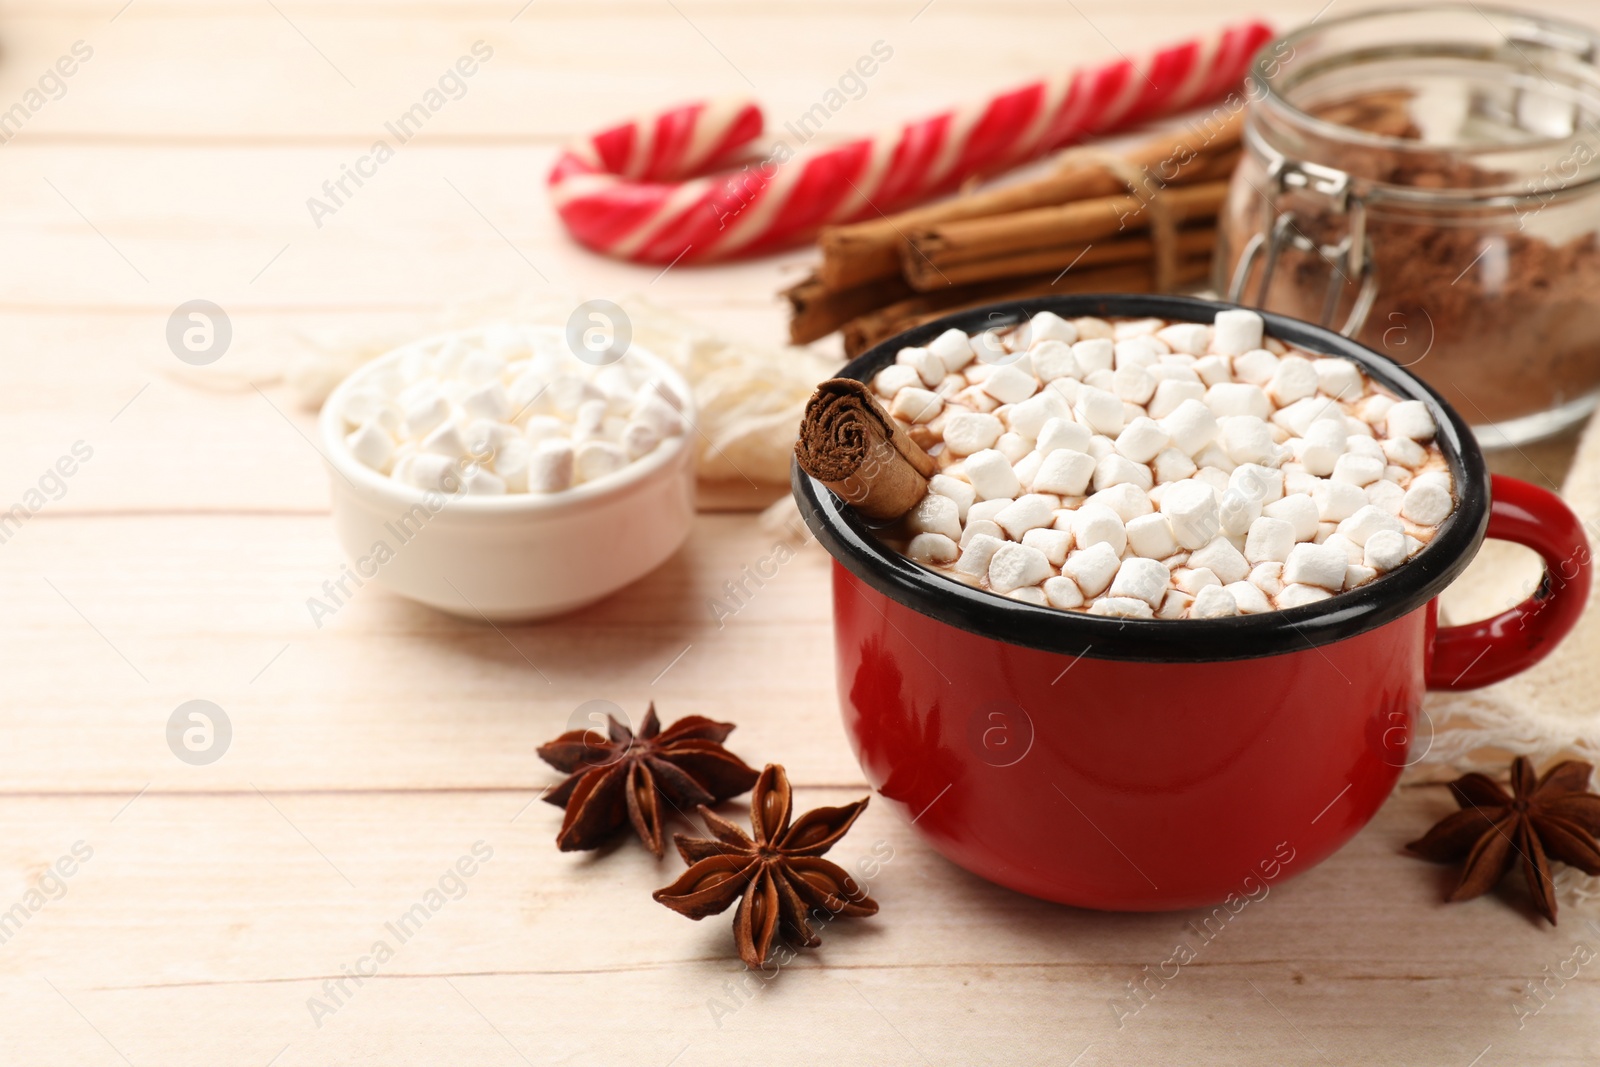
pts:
[622, 777]
[780, 874]
[1552, 817]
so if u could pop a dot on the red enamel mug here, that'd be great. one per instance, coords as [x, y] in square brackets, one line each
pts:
[1153, 764]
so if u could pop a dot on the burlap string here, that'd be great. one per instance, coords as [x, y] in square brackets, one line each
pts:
[1147, 190]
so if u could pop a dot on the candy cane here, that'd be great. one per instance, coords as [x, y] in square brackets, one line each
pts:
[630, 191]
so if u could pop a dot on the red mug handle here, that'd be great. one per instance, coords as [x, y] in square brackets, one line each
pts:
[1480, 653]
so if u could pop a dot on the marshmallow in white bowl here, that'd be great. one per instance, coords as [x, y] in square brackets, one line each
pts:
[545, 524]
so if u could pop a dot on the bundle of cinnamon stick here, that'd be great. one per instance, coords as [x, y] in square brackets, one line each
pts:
[1097, 223]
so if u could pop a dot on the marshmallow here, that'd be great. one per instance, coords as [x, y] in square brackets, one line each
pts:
[1357, 470]
[1267, 577]
[929, 367]
[1367, 521]
[1116, 469]
[446, 440]
[1247, 439]
[1029, 417]
[1299, 511]
[371, 445]
[956, 489]
[1009, 384]
[1142, 579]
[1351, 550]
[1048, 326]
[1051, 360]
[1014, 566]
[1121, 607]
[1030, 512]
[1193, 579]
[916, 405]
[1236, 512]
[1255, 367]
[488, 401]
[425, 414]
[1095, 524]
[596, 459]
[1297, 595]
[969, 432]
[1064, 472]
[991, 350]
[1409, 418]
[936, 514]
[1294, 379]
[1338, 378]
[1128, 500]
[890, 380]
[550, 466]
[1192, 508]
[1133, 384]
[1063, 593]
[981, 528]
[1387, 495]
[1029, 594]
[1356, 575]
[1299, 417]
[1319, 565]
[1172, 465]
[990, 474]
[1236, 331]
[1094, 354]
[1170, 392]
[1248, 599]
[1053, 543]
[1384, 550]
[1238, 398]
[1404, 452]
[1222, 559]
[1013, 446]
[1426, 504]
[1141, 440]
[1264, 484]
[1191, 426]
[1092, 568]
[1137, 353]
[1269, 540]
[1099, 410]
[1213, 369]
[1213, 602]
[1063, 433]
[1190, 338]
[476, 481]
[953, 348]
[1337, 501]
[1175, 605]
[976, 555]
[1151, 536]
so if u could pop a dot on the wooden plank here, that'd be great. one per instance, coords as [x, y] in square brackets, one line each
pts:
[234, 910]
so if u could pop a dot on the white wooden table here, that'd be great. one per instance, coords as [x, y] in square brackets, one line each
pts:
[220, 904]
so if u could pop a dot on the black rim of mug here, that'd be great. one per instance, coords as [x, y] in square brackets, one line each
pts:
[851, 541]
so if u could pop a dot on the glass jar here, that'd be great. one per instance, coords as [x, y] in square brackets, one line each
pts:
[1427, 179]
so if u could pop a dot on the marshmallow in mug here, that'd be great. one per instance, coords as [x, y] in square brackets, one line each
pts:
[507, 411]
[1161, 470]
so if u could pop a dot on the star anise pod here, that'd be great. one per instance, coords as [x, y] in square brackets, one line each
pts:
[1552, 817]
[779, 874]
[627, 778]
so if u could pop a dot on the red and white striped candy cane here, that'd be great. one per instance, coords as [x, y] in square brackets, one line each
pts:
[630, 191]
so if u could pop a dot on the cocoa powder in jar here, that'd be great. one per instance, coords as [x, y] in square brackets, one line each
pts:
[1502, 319]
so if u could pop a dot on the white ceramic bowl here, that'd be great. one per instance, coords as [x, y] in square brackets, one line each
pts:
[518, 556]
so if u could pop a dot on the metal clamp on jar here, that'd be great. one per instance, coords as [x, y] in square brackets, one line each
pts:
[1429, 180]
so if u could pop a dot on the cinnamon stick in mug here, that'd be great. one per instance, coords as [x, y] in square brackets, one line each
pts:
[849, 443]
